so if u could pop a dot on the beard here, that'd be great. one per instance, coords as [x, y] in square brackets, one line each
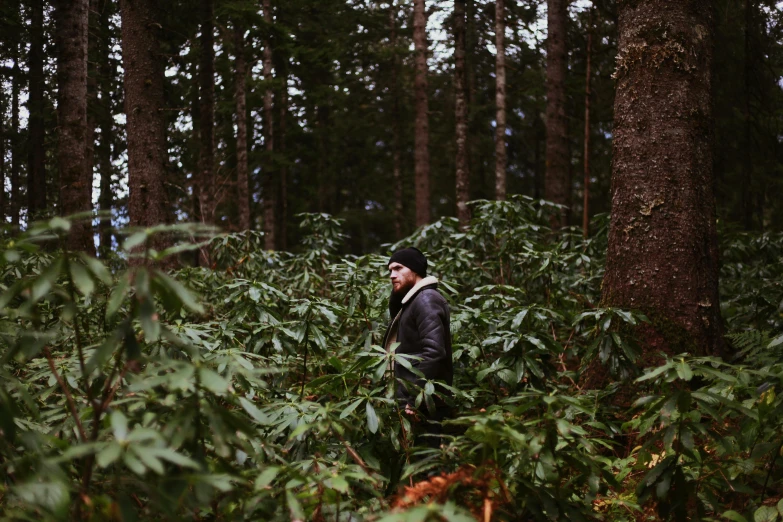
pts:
[396, 297]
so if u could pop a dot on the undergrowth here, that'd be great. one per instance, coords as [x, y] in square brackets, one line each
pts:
[256, 390]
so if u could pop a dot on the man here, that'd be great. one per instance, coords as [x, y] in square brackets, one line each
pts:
[420, 323]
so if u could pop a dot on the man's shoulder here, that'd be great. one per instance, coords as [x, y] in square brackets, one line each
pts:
[429, 295]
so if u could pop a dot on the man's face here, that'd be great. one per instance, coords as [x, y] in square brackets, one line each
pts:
[402, 278]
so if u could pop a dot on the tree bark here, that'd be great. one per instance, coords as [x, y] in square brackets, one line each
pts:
[586, 155]
[281, 147]
[93, 43]
[243, 184]
[106, 75]
[36, 168]
[396, 156]
[748, 186]
[2, 163]
[422, 125]
[269, 180]
[461, 115]
[662, 255]
[500, 101]
[207, 114]
[14, 141]
[143, 81]
[75, 186]
[556, 185]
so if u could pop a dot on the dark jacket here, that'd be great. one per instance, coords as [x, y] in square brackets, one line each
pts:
[422, 329]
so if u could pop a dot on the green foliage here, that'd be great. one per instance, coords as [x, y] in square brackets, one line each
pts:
[256, 390]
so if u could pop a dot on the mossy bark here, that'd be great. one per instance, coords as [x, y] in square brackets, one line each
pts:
[662, 256]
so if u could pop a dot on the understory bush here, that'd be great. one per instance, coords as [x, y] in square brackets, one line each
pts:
[256, 389]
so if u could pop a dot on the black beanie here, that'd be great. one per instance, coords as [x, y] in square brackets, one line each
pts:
[412, 258]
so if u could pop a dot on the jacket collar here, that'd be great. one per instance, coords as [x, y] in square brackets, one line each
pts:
[427, 281]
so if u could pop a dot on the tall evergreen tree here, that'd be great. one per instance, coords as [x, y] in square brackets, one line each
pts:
[143, 82]
[75, 184]
[16, 151]
[422, 125]
[461, 115]
[269, 184]
[36, 168]
[243, 185]
[396, 116]
[662, 256]
[500, 101]
[206, 75]
[557, 182]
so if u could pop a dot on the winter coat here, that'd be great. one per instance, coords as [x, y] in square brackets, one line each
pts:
[422, 329]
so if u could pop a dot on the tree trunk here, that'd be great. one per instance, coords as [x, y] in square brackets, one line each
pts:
[2, 163]
[461, 115]
[586, 156]
[662, 255]
[14, 141]
[207, 114]
[500, 101]
[748, 188]
[422, 125]
[36, 169]
[396, 156]
[75, 186]
[281, 146]
[93, 43]
[243, 184]
[556, 186]
[106, 75]
[269, 180]
[143, 103]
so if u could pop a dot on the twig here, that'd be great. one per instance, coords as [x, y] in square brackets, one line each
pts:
[68, 396]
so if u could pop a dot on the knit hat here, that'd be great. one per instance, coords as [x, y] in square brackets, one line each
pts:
[412, 258]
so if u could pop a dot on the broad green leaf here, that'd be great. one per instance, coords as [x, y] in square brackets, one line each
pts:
[684, 371]
[109, 454]
[372, 418]
[351, 407]
[266, 477]
[147, 456]
[134, 240]
[97, 268]
[118, 295]
[765, 514]
[82, 279]
[119, 424]
[185, 296]
[733, 515]
[212, 381]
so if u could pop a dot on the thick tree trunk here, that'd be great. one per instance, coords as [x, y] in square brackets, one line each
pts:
[106, 75]
[143, 103]
[269, 180]
[36, 169]
[662, 255]
[207, 114]
[396, 156]
[16, 151]
[75, 186]
[422, 125]
[500, 101]
[243, 183]
[556, 186]
[461, 115]
[586, 155]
